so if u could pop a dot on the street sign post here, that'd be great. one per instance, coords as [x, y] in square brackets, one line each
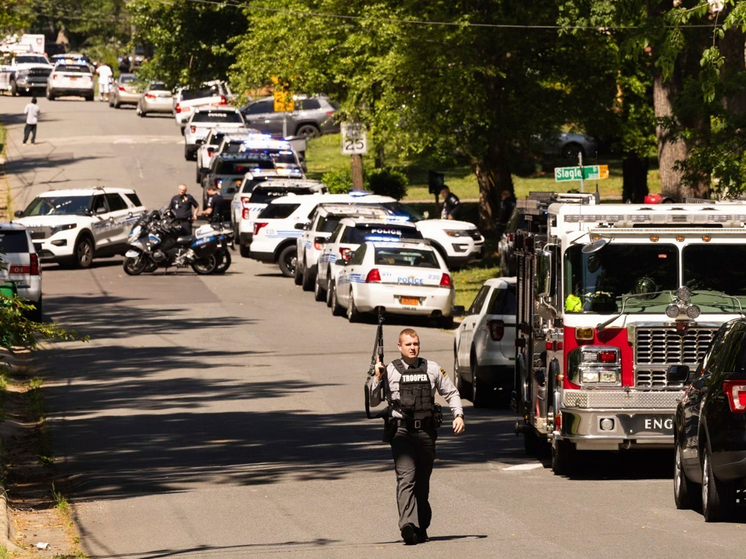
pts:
[355, 144]
[588, 172]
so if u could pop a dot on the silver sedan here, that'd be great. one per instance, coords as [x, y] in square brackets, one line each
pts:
[156, 98]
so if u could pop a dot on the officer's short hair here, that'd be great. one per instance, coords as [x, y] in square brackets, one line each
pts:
[408, 332]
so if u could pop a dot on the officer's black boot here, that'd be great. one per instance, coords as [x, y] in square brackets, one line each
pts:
[409, 533]
[422, 536]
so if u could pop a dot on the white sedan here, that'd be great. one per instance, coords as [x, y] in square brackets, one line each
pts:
[408, 278]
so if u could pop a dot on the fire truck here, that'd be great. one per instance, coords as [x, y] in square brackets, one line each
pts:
[616, 305]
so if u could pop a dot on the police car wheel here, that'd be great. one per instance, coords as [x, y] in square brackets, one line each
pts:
[84, 252]
[684, 490]
[307, 282]
[458, 382]
[244, 251]
[337, 309]
[288, 260]
[353, 315]
[319, 293]
[479, 397]
[298, 277]
[35, 314]
[329, 286]
[13, 88]
[718, 497]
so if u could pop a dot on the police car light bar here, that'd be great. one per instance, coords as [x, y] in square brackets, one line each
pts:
[383, 239]
[358, 193]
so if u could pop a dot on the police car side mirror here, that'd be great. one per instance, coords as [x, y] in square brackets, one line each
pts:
[18, 213]
[199, 142]
[320, 240]
[300, 226]
[340, 262]
[458, 310]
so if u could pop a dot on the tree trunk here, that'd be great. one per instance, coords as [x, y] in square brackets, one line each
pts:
[670, 149]
[634, 178]
[493, 176]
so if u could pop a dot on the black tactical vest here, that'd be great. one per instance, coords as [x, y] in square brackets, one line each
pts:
[415, 393]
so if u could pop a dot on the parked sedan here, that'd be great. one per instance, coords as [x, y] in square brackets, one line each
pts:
[408, 278]
[124, 91]
[483, 351]
[156, 98]
[710, 427]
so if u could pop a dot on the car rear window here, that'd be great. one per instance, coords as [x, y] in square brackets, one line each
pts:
[308, 104]
[189, 94]
[134, 198]
[502, 301]
[13, 242]
[415, 258]
[218, 116]
[265, 195]
[116, 202]
[158, 87]
[260, 107]
[76, 68]
[278, 211]
[368, 232]
[126, 79]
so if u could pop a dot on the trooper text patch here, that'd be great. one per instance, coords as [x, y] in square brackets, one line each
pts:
[421, 377]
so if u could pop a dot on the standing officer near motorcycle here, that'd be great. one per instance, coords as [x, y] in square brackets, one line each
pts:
[411, 385]
[185, 209]
[216, 206]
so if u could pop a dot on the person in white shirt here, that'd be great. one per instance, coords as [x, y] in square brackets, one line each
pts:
[32, 118]
[104, 74]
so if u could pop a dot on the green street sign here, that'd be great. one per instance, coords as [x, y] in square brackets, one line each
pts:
[590, 172]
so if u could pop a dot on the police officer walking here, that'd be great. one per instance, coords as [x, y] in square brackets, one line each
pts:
[411, 384]
[185, 209]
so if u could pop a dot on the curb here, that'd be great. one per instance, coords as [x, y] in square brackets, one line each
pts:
[7, 530]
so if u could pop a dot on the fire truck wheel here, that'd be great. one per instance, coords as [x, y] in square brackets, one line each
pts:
[718, 497]
[479, 396]
[563, 458]
[685, 493]
[531, 443]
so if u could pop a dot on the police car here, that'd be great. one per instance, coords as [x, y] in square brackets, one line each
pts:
[19, 264]
[407, 278]
[74, 226]
[203, 120]
[256, 193]
[278, 226]
[70, 80]
[348, 236]
[484, 347]
[323, 222]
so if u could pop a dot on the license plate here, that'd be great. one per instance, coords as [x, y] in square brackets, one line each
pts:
[73, 79]
[640, 424]
[410, 301]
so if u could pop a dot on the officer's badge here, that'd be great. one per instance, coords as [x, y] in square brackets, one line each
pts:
[443, 372]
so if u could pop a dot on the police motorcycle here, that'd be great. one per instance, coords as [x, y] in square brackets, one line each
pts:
[155, 242]
[225, 236]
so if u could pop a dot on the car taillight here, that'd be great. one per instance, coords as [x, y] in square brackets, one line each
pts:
[736, 392]
[329, 113]
[121, 88]
[149, 96]
[245, 203]
[445, 280]
[317, 245]
[223, 100]
[35, 269]
[258, 225]
[497, 329]
[177, 108]
[511, 237]
[245, 213]
[54, 76]
[373, 276]
[346, 253]
[192, 129]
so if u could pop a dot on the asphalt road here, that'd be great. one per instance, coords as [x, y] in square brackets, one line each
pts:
[222, 416]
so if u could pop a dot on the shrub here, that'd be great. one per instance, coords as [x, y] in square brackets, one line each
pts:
[387, 182]
[339, 181]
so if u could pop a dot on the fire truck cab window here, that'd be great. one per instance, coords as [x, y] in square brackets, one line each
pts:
[715, 292]
[596, 282]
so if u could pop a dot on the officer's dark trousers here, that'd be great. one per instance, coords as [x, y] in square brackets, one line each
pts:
[414, 454]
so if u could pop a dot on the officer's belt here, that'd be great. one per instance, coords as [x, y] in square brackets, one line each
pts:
[417, 424]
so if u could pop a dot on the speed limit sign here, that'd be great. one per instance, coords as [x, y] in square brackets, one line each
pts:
[354, 139]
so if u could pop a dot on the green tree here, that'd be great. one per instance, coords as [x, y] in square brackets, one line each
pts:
[15, 16]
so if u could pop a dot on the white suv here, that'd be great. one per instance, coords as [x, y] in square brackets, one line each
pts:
[70, 79]
[19, 264]
[74, 226]
[277, 227]
[203, 120]
[254, 195]
[210, 94]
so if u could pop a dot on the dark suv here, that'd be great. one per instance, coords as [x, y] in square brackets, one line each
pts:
[312, 117]
[710, 428]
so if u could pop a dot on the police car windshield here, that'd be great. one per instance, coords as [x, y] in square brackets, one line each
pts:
[31, 60]
[397, 208]
[375, 232]
[264, 195]
[218, 116]
[58, 205]
[13, 242]
[413, 258]
[707, 287]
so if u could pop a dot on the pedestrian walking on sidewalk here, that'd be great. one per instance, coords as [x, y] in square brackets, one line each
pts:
[31, 111]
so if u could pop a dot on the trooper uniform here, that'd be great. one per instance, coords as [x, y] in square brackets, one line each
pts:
[217, 203]
[412, 408]
[451, 207]
[182, 208]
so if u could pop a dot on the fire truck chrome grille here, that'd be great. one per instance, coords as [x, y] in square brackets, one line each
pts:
[608, 399]
[657, 348]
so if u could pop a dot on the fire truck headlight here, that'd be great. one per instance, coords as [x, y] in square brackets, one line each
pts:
[692, 311]
[672, 311]
[608, 376]
[683, 294]
[590, 377]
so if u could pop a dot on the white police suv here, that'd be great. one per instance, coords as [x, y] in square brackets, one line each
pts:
[74, 226]
[70, 80]
[278, 226]
[19, 264]
[349, 235]
[408, 278]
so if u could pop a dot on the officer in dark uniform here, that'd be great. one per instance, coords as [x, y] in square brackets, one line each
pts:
[451, 204]
[185, 209]
[216, 206]
[412, 382]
